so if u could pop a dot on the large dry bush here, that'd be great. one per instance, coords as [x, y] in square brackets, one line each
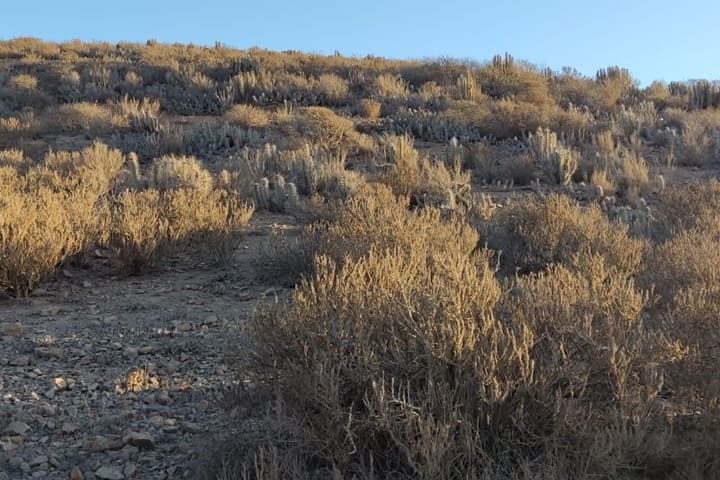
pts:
[684, 273]
[534, 233]
[500, 162]
[390, 87]
[139, 115]
[394, 364]
[329, 130]
[137, 230]
[36, 235]
[375, 218]
[247, 116]
[504, 77]
[597, 367]
[331, 89]
[82, 116]
[53, 213]
[400, 375]
[697, 139]
[147, 225]
[369, 108]
[688, 261]
[691, 206]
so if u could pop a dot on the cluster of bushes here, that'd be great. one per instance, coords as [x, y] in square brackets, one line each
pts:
[406, 353]
[77, 86]
[432, 333]
[57, 211]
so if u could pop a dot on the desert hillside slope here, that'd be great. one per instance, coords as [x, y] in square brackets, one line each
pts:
[241, 264]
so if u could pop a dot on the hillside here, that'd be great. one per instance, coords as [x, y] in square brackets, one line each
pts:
[243, 264]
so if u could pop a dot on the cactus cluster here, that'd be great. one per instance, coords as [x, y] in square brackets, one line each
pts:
[431, 126]
[467, 87]
[276, 195]
[304, 172]
[208, 139]
[144, 121]
[703, 94]
[557, 160]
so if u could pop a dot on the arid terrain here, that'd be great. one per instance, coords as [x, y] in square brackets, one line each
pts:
[89, 358]
[242, 264]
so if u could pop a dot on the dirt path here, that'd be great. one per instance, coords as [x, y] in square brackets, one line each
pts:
[72, 354]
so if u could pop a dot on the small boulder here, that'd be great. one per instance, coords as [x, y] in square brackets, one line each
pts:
[109, 473]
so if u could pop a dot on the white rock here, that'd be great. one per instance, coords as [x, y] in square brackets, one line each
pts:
[109, 473]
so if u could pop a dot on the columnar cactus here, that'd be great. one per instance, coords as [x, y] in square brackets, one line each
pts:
[556, 159]
[467, 88]
[262, 194]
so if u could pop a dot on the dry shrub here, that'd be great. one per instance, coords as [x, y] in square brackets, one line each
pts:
[597, 367]
[403, 174]
[692, 206]
[500, 162]
[140, 115]
[137, 230]
[93, 169]
[604, 185]
[431, 92]
[535, 233]
[36, 235]
[174, 172]
[15, 125]
[23, 82]
[685, 273]
[329, 130]
[390, 87]
[634, 177]
[83, 116]
[14, 158]
[613, 165]
[612, 86]
[509, 118]
[149, 224]
[358, 395]
[695, 320]
[374, 218]
[369, 108]
[53, 213]
[571, 121]
[247, 116]
[417, 377]
[503, 78]
[698, 143]
[331, 89]
[689, 260]
[330, 177]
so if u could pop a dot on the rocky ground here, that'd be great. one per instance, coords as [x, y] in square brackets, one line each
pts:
[114, 378]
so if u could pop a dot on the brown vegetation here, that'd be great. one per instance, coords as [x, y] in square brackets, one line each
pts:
[492, 279]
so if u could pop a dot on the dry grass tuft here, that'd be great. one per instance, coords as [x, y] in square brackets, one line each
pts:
[247, 116]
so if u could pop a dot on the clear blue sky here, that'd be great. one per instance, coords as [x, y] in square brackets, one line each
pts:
[658, 40]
